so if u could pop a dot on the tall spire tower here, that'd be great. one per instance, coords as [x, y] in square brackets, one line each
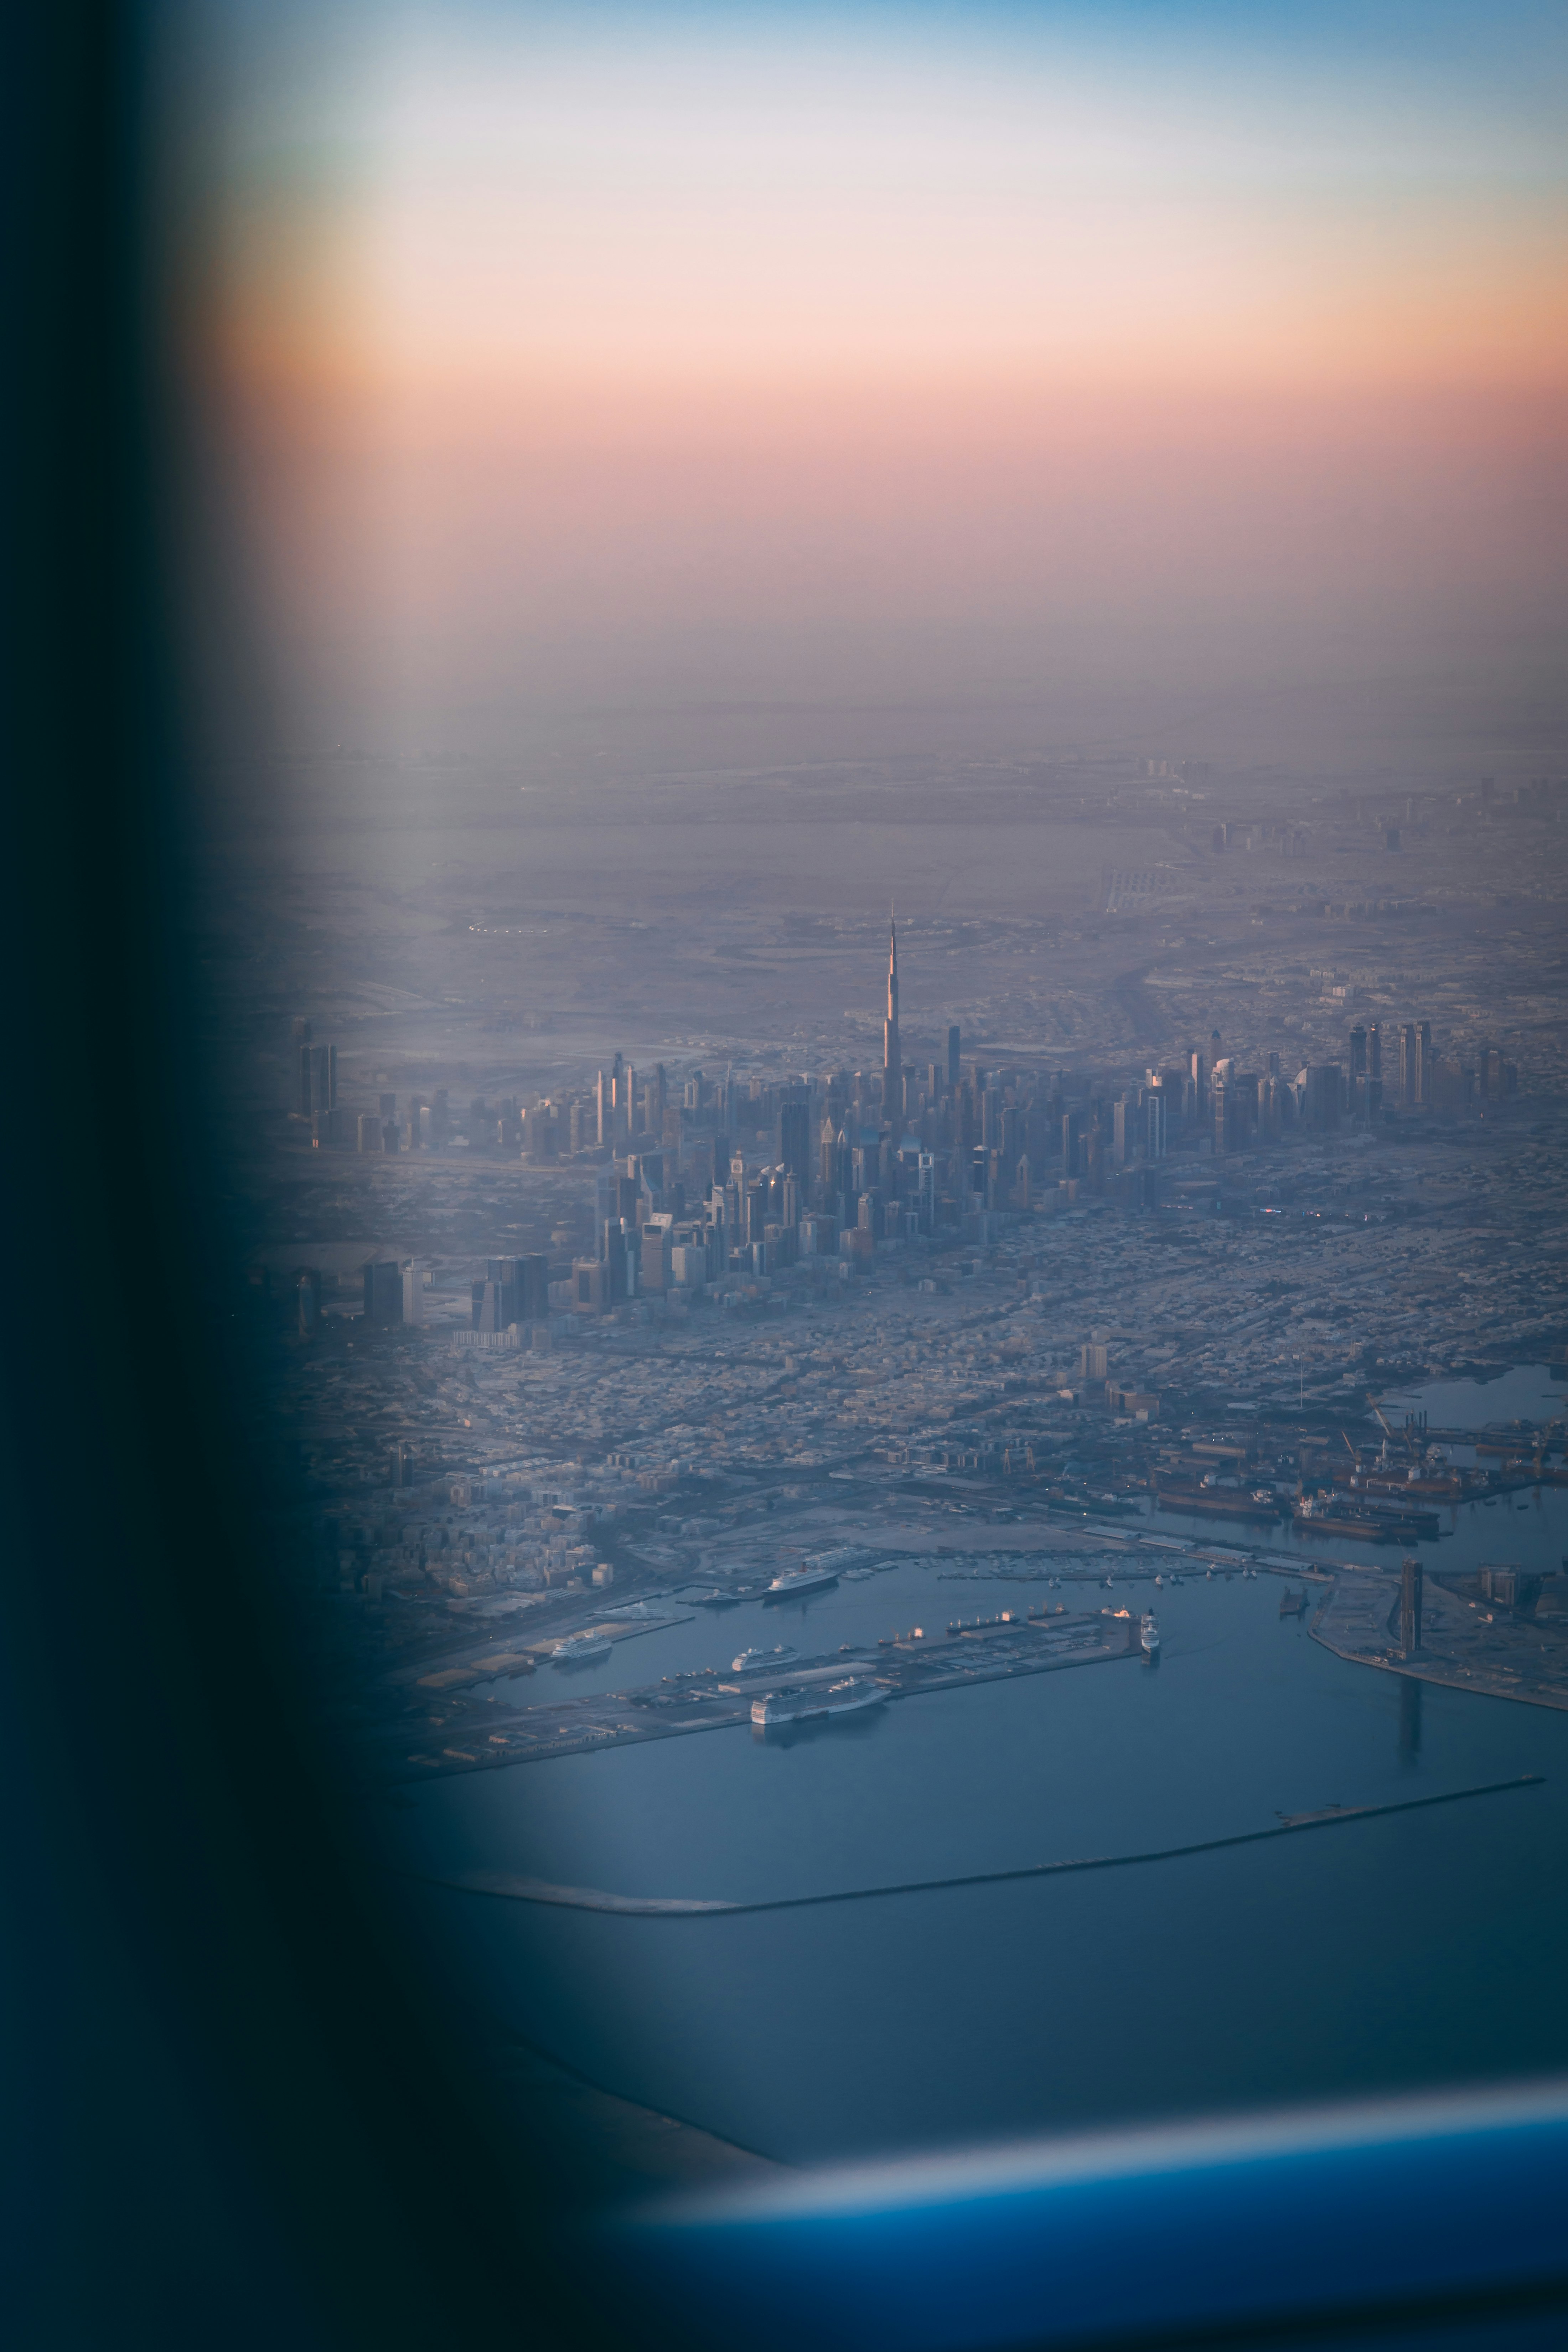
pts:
[892, 1059]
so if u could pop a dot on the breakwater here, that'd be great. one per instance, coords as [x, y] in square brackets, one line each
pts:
[505, 1886]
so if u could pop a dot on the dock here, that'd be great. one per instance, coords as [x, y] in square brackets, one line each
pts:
[1463, 1646]
[906, 1666]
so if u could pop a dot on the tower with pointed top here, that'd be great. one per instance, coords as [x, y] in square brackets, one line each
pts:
[892, 1060]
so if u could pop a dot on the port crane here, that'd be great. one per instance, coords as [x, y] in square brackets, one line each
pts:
[1409, 1434]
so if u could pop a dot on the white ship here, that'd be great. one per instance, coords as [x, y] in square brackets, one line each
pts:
[1149, 1634]
[800, 1580]
[802, 1706]
[749, 1661]
[578, 1648]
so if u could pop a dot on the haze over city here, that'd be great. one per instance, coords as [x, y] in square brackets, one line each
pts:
[649, 390]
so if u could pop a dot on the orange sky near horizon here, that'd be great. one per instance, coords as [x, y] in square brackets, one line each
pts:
[563, 362]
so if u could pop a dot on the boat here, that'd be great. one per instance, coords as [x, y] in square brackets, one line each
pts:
[1338, 1514]
[1216, 1506]
[800, 1580]
[579, 1648]
[1293, 1604]
[846, 1697]
[1415, 1518]
[1149, 1635]
[749, 1661]
[1434, 1487]
[1344, 1523]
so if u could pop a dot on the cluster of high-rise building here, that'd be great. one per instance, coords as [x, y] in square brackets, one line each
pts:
[708, 1180]
[422, 1125]
[1395, 1070]
[1421, 1078]
[851, 1160]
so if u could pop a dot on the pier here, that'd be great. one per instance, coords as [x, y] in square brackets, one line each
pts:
[1464, 1646]
[905, 1665]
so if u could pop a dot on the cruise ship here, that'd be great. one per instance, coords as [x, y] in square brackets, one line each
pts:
[800, 1580]
[578, 1648]
[1149, 1635]
[802, 1705]
[749, 1661]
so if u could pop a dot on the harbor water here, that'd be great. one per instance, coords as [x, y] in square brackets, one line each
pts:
[1419, 1948]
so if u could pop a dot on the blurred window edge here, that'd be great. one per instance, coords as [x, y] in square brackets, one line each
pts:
[1420, 2212]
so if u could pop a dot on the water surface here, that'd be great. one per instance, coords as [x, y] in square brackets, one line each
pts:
[1414, 1949]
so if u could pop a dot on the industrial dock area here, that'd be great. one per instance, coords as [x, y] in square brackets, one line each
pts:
[504, 1701]
[1014, 1643]
[1465, 1636]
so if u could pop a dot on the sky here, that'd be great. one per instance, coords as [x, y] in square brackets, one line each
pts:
[1055, 368]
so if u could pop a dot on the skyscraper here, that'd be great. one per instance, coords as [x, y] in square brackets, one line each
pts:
[317, 1082]
[828, 1160]
[1407, 1054]
[533, 1283]
[892, 1059]
[1324, 1089]
[383, 1291]
[795, 1140]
